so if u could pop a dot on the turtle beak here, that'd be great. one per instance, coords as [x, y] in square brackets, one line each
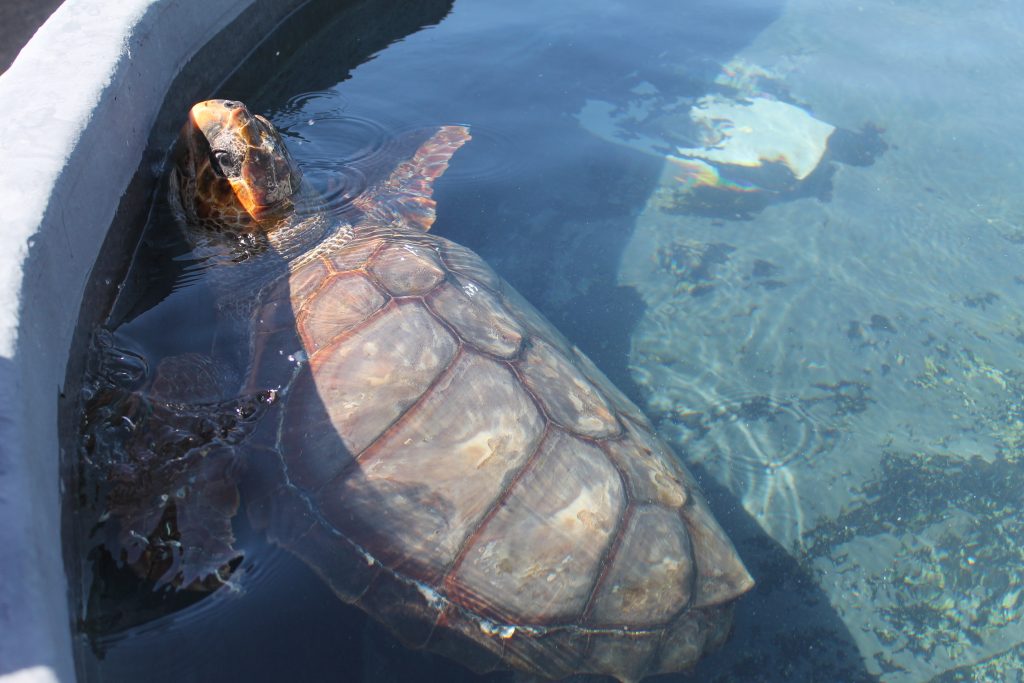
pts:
[212, 116]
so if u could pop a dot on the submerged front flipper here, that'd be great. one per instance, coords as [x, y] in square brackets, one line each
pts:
[171, 496]
[193, 545]
[406, 195]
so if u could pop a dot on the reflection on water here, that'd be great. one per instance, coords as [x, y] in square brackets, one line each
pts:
[838, 355]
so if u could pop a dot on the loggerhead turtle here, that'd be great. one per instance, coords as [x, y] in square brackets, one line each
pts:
[429, 444]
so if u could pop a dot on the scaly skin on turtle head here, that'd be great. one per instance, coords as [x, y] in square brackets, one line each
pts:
[232, 171]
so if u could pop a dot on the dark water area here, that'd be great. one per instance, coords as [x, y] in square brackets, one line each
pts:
[742, 316]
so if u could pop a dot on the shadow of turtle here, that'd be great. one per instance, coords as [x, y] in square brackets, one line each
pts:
[785, 629]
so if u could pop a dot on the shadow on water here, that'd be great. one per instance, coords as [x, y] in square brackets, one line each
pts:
[785, 629]
[321, 44]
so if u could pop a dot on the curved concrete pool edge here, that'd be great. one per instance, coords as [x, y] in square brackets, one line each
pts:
[76, 112]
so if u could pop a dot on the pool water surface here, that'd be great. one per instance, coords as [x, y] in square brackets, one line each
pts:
[837, 356]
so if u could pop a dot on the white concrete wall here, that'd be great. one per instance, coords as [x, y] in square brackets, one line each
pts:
[76, 110]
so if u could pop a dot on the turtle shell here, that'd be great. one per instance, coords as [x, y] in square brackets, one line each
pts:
[451, 464]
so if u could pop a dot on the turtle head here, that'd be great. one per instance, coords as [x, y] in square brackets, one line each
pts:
[232, 171]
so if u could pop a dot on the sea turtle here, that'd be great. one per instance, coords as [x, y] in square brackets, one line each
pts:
[427, 442]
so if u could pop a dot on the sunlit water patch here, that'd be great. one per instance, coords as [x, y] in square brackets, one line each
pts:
[883, 314]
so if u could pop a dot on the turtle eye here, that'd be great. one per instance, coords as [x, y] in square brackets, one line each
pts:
[225, 164]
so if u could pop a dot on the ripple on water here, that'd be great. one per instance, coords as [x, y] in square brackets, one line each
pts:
[340, 154]
[298, 107]
[340, 148]
[764, 448]
[766, 433]
[337, 185]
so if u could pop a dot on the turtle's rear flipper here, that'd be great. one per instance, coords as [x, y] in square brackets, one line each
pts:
[406, 195]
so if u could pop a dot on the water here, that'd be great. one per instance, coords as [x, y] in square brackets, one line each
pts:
[837, 358]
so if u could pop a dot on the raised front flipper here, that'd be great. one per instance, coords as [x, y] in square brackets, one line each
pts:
[406, 196]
